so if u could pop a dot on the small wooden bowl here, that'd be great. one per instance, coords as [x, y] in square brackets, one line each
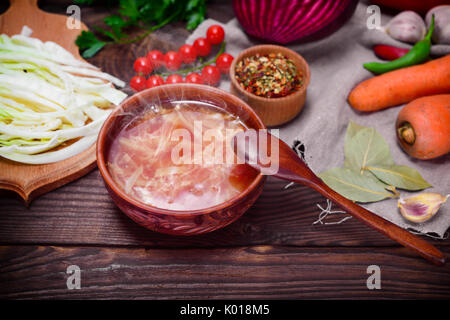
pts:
[170, 221]
[273, 111]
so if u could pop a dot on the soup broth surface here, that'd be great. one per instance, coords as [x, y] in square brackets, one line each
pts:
[161, 159]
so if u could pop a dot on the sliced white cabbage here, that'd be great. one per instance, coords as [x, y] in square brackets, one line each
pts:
[26, 31]
[52, 156]
[48, 97]
[68, 133]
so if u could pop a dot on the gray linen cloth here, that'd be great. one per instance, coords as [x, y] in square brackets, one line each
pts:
[336, 67]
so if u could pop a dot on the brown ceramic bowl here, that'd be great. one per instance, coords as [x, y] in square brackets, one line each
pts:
[170, 221]
[273, 111]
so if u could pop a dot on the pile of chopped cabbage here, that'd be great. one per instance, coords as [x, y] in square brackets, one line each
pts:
[48, 98]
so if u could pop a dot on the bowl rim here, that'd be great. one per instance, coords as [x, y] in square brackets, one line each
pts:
[255, 49]
[100, 150]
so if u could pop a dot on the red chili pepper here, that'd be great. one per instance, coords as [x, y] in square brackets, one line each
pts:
[389, 52]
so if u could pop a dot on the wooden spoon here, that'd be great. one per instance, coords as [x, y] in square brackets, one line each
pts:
[30, 181]
[292, 168]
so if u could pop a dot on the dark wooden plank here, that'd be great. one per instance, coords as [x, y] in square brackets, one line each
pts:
[260, 272]
[83, 213]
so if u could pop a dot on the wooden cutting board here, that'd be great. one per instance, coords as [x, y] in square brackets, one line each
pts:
[30, 181]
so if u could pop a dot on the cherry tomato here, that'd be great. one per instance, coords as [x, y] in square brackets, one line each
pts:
[137, 83]
[172, 60]
[188, 53]
[174, 78]
[202, 47]
[142, 66]
[223, 62]
[156, 57]
[211, 75]
[154, 81]
[215, 34]
[194, 78]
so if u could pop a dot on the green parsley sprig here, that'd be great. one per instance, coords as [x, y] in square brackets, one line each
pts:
[148, 15]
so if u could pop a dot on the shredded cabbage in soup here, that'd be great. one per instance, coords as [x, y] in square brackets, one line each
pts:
[158, 160]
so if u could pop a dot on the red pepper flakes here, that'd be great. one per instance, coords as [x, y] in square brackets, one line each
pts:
[269, 76]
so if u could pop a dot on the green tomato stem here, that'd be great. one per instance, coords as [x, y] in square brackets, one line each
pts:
[189, 70]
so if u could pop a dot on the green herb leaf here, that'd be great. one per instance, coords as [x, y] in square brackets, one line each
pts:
[367, 147]
[402, 177]
[116, 23]
[354, 186]
[85, 40]
[196, 11]
[192, 4]
[154, 11]
[194, 19]
[89, 53]
[129, 9]
[89, 44]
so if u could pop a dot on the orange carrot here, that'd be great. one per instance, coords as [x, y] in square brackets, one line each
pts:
[423, 127]
[402, 85]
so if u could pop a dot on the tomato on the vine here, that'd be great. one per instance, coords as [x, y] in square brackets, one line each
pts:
[174, 78]
[188, 53]
[202, 47]
[142, 66]
[156, 58]
[211, 75]
[215, 34]
[154, 81]
[172, 60]
[223, 62]
[137, 83]
[194, 78]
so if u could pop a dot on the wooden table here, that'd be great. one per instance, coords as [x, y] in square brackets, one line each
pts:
[273, 252]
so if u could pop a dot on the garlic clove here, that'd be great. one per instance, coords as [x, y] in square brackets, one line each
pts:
[441, 33]
[407, 26]
[422, 207]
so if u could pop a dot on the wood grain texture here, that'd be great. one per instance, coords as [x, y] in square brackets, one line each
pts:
[30, 181]
[83, 213]
[258, 272]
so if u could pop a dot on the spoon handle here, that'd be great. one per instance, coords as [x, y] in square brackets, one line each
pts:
[374, 221]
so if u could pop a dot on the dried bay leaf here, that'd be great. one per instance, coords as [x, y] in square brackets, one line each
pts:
[370, 173]
[367, 147]
[402, 177]
[355, 187]
[352, 129]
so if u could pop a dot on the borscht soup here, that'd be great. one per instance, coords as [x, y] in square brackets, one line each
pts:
[178, 156]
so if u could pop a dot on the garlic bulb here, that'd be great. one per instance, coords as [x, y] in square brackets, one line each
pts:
[422, 207]
[407, 26]
[441, 34]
